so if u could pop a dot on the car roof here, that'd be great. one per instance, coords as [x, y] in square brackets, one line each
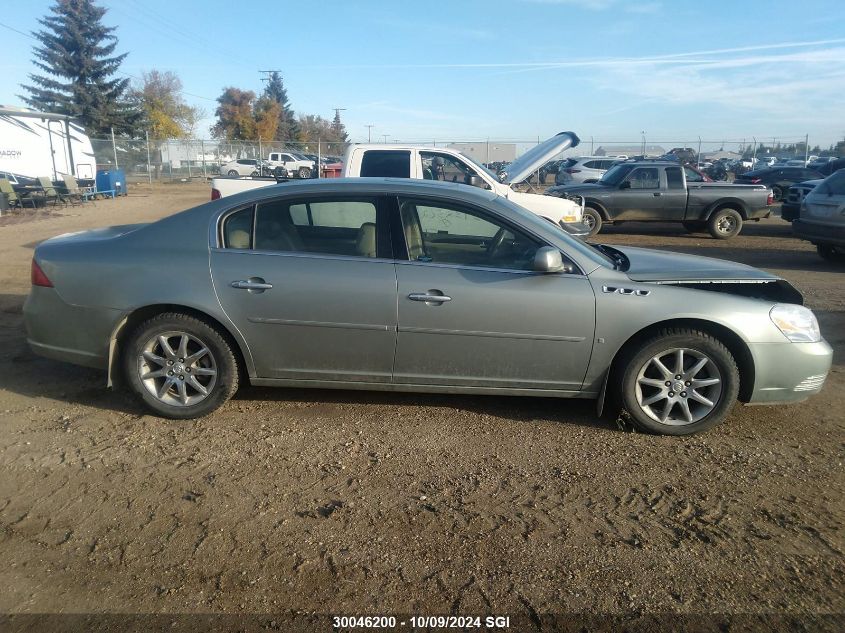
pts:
[365, 186]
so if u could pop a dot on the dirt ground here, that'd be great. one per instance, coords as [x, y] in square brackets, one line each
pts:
[338, 502]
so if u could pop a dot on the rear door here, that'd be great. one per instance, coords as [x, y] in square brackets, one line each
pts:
[472, 313]
[311, 285]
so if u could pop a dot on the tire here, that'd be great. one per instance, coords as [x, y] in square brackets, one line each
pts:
[724, 224]
[232, 172]
[304, 172]
[253, 174]
[831, 253]
[695, 227]
[777, 193]
[215, 371]
[645, 394]
[592, 218]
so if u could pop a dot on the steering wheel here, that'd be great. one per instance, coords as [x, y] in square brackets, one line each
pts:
[496, 243]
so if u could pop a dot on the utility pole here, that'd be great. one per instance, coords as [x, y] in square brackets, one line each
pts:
[384, 136]
[268, 73]
[369, 132]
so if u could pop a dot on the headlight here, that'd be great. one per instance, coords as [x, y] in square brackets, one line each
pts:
[797, 323]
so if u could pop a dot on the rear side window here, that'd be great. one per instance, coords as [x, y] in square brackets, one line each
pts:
[386, 164]
[237, 229]
[592, 164]
[674, 180]
[834, 185]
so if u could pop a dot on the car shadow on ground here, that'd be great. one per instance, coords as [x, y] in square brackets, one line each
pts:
[675, 229]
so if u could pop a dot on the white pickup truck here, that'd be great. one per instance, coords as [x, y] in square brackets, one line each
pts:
[434, 163]
[405, 161]
[296, 166]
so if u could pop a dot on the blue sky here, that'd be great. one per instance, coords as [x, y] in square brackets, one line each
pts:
[515, 70]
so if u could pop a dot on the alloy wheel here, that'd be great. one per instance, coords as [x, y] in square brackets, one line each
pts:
[177, 368]
[678, 386]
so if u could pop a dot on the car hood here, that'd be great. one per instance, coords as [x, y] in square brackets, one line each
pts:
[536, 157]
[663, 266]
[707, 273]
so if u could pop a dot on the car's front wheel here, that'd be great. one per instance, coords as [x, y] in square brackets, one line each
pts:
[680, 381]
[180, 366]
[831, 253]
[304, 173]
[592, 218]
[233, 172]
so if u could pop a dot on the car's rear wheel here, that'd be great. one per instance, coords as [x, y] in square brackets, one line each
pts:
[724, 224]
[304, 172]
[680, 381]
[233, 172]
[180, 366]
[695, 227]
[592, 218]
[831, 253]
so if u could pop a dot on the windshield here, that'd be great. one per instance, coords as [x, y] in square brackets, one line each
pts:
[616, 174]
[477, 164]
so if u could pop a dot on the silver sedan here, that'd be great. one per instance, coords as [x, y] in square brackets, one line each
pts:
[419, 286]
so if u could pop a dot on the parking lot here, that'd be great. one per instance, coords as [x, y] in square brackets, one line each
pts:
[411, 503]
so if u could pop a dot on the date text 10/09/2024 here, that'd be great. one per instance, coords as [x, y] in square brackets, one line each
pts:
[420, 621]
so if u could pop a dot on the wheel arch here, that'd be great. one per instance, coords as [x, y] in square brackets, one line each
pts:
[117, 341]
[730, 339]
[728, 203]
[598, 206]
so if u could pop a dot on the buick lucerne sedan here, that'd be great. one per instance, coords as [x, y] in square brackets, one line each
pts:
[403, 285]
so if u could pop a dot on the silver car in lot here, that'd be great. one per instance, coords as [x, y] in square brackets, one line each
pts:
[406, 285]
[584, 169]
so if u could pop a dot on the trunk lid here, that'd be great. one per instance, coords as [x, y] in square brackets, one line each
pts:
[536, 157]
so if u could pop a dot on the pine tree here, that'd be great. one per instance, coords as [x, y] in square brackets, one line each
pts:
[75, 52]
[275, 90]
[338, 128]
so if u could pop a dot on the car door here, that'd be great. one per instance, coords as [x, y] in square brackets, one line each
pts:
[311, 286]
[472, 313]
[640, 196]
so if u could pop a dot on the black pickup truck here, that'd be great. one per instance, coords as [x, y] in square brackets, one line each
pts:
[657, 191]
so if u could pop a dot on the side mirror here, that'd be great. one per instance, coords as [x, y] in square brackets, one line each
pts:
[548, 260]
[625, 185]
[473, 180]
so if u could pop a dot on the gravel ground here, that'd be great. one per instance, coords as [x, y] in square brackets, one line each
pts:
[349, 502]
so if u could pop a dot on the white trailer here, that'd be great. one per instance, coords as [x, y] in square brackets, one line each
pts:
[34, 144]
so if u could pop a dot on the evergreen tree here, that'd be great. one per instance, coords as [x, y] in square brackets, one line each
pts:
[76, 53]
[339, 129]
[275, 90]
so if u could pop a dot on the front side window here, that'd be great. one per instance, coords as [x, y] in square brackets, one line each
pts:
[834, 185]
[444, 234]
[287, 158]
[644, 178]
[444, 167]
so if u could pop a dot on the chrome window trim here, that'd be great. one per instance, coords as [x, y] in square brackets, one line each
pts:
[513, 271]
[251, 251]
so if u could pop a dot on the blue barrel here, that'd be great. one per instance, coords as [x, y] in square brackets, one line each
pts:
[112, 180]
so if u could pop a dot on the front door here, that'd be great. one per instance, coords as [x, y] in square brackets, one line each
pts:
[640, 197]
[310, 287]
[472, 313]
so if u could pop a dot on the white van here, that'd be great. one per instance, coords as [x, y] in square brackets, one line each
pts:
[34, 144]
[435, 163]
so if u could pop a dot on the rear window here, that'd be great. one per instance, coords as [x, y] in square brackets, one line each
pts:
[834, 185]
[386, 164]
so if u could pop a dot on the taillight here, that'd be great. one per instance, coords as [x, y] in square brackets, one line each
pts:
[38, 277]
[770, 199]
[215, 194]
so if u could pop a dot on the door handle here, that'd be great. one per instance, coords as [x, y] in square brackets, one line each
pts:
[251, 284]
[428, 298]
[657, 194]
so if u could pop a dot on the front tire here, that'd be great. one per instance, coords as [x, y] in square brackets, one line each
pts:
[679, 382]
[304, 173]
[179, 366]
[724, 224]
[592, 218]
[233, 172]
[831, 253]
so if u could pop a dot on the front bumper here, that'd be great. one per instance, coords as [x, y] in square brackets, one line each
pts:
[790, 211]
[789, 372]
[819, 233]
[68, 333]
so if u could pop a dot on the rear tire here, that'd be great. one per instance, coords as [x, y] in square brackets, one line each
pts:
[700, 399]
[724, 224]
[831, 253]
[592, 218]
[233, 172]
[179, 366]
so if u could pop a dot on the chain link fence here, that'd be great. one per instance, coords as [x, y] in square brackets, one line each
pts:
[180, 159]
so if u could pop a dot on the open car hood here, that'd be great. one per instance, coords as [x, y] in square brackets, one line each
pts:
[536, 157]
[707, 273]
